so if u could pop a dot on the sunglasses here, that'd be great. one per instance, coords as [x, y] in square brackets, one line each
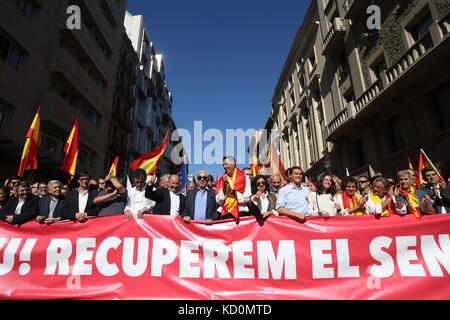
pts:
[202, 178]
[363, 181]
[261, 183]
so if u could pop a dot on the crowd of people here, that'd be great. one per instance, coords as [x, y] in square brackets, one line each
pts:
[204, 199]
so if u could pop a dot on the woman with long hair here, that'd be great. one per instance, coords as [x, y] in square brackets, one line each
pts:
[323, 202]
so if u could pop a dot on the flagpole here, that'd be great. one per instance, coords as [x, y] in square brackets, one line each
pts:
[428, 159]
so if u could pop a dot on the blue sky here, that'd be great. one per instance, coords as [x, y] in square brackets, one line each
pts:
[222, 58]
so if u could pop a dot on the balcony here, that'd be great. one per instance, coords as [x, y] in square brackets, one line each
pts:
[388, 77]
[353, 7]
[89, 47]
[64, 64]
[335, 36]
[94, 9]
[392, 77]
[345, 115]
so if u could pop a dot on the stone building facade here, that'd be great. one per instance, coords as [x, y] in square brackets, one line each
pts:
[366, 99]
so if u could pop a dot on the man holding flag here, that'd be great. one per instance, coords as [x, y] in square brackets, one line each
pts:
[437, 191]
[433, 184]
[233, 191]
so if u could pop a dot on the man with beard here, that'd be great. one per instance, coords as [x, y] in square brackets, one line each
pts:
[22, 208]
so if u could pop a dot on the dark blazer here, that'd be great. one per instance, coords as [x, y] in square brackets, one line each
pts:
[211, 205]
[44, 207]
[254, 209]
[439, 203]
[70, 207]
[162, 198]
[28, 212]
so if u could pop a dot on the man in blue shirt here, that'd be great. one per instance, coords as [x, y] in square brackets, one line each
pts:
[200, 202]
[292, 199]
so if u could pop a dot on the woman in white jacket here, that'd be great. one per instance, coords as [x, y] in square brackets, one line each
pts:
[323, 202]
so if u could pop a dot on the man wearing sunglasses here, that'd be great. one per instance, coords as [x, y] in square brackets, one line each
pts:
[363, 185]
[200, 202]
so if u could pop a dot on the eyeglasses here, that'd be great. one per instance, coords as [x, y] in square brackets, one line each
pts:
[202, 178]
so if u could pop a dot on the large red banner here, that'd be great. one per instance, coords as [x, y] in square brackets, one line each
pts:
[163, 258]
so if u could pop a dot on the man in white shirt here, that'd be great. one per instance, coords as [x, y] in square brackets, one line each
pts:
[79, 203]
[137, 203]
[167, 201]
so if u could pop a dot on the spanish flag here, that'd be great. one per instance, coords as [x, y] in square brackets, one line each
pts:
[71, 150]
[410, 166]
[276, 164]
[29, 153]
[425, 162]
[150, 161]
[113, 169]
[237, 182]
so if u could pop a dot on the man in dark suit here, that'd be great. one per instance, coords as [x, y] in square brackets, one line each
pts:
[79, 203]
[22, 208]
[201, 202]
[168, 201]
[50, 204]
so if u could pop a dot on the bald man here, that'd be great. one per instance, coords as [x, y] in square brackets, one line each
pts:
[168, 201]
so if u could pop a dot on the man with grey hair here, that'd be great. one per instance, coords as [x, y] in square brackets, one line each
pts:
[50, 204]
[236, 186]
[168, 201]
[275, 183]
[200, 202]
[384, 200]
[417, 202]
[164, 181]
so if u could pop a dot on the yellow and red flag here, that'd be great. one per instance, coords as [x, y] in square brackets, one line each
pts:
[237, 182]
[150, 161]
[410, 166]
[28, 161]
[71, 150]
[425, 162]
[113, 169]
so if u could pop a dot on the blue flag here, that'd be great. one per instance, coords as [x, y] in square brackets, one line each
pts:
[183, 175]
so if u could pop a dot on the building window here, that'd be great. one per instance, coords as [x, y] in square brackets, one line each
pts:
[441, 110]
[28, 7]
[85, 158]
[3, 110]
[419, 29]
[301, 81]
[395, 135]
[312, 60]
[323, 128]
[342, 68]
[11, 54]
[50, 142]
[91, 117]
[357, 156]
